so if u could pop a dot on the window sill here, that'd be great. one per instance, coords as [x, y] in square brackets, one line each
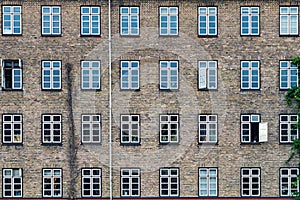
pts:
[294, 35]
[52, 90]
[250, 143]
[129, 36]
[208, 36]
[168, 90]
[207, 143]
[90, 143]
[5, 89]
[97, 90]
[207, 89]
[168, 143]
[90, 35]
[50, 35]
[130, 144]
[11, 35]
[285, 143]
[12, 144]
[51, 144]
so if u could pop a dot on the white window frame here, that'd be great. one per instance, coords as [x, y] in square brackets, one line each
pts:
[166, 126]
[250, 67]
[52, 130]
[131, 15]
[169, 75]
[12, 182]
[130, 72]
[208, 128]
[289, 181]
[253, 180]
[91, 180]
[250, 12]
[288, 13]
[169, 177]
[16, 74]
[208, 182]
[248, 126]
[208, 75]
[54, 18]
[90, 15]
[130, 182]
[90, 75]
[11, 25]
[54, 68]
[91, 128]
[168, 13]
[210, 15]
[290, 71]
[130, 127]
[13, 127]
[52, 175]
[288, 125]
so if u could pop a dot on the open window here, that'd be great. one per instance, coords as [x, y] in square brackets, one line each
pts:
[11, 74]
[252, 130]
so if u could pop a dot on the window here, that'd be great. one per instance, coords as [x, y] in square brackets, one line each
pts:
[208, 74]
[52, 182]
[130, 182]
[208, 128]
[208, 181]
[91, 128]
[129, 74]
[289, 183]
[168, 20]
[169, 182]
[288, 20]
[90, 20]
[12, 129]
[250, 75]
[288, 128]
[250, 128]
[12, 20]
[130, 129]
[129, 20]
[207, 18]
[250, 182]
[169, 129]
[168, 75]
[51, 20]
[249, 20]
[12, 182]
[11, 74]
[51, 79]
[91, 182]
[51, 129]
[90, 75]
[288, 75]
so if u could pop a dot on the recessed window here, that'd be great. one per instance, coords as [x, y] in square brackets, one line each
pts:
[289, 20]
[208, 128]
[168, 75]
[12, 20]
[11, 74]
[249, 21]
[288, 75]
[288, 128]
[168, 17]
[90, 75]
[289, 182]
[51, 75]
[12, 129]
[91, 128]
[52, 182]
[250, 182]
[207, 18]
[51, 20]
[208, 182]
[130, 182]
[129, 20]
[12, 182]
[252, 130]
[130, 74]
[208, 75]
[130, 129]
[90, 20]
[91, 182]
[169, 182]
[51, 129]
[169, 129]
[250, 77]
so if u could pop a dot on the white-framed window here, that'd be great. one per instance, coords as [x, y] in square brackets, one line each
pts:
[51, 129]
[208, 75]
[288, 75]
[130, 74]
[208, 21]
[12, 20]
[51, 20]
[289, 183]
[250, 182]
[289, 20]
[208, 182]
[91, 128]
[208, 128]
[168, 75]
[90, 20]
[249, 20]
[90, 75]
[129, 20]
[130, 129]
[169, 129]
[130, 182]
[91, 179]
[52, 182]
[168, 20]
[11, 74]
[288, 128]
[12, 129]
[12, 182]
[51, 75]
[169, 182]
[250, 128]
[250, 75]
